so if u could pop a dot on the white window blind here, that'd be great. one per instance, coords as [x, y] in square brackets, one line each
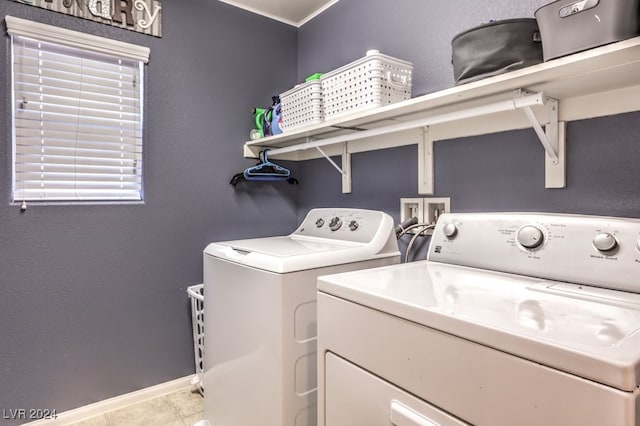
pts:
[77, 121]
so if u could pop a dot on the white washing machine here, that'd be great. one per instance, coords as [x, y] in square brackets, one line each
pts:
[260, 314]
[514, 319]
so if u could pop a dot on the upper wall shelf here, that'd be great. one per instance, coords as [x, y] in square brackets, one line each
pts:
[598, 82]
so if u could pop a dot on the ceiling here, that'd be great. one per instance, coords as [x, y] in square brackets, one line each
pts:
[292, 12]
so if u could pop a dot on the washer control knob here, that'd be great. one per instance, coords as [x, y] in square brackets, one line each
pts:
[530, 236]
[638, 245]
[449, 230]
[605, 241]
[320, 222]
[335, 223]
[353, 225]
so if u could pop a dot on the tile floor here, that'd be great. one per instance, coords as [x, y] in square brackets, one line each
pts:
[182, 408]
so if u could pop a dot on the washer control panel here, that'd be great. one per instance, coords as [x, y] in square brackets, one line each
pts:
[356, 225]
[595, 250]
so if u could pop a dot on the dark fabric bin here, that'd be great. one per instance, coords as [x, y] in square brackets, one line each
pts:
[495, 48]
[569, 26]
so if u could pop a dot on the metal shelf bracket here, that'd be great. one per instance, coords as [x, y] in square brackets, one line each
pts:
[426, 163]
[553, 139]
[345, 170]
[549, 139]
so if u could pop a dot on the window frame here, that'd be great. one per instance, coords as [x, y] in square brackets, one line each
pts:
[17, 27]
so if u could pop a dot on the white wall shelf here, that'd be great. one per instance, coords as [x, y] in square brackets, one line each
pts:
[598, 82]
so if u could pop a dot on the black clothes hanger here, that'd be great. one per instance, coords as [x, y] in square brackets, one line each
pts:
[264, 170]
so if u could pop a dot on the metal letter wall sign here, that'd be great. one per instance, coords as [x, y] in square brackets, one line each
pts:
[143, 16]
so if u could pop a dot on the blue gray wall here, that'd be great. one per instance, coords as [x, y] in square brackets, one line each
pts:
[92, 298]
[500, 172]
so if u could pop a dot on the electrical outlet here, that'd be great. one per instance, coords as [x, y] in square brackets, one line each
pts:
[427, 210]
[411, 207]
[434, 207]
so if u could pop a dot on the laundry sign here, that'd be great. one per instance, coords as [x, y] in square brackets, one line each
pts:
[143, 16]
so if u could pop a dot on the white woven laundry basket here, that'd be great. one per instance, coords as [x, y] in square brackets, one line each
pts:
[369, 82]
[302, 105]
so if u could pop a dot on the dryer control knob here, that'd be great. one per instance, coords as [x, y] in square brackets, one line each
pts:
[530, 236]
[449, 230]
[353, 225]
[335, 223]
[605, 241]
[320, 222]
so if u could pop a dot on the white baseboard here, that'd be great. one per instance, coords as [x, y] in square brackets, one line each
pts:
[101, 407]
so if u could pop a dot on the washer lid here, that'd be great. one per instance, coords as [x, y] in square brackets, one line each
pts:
[587, 331]
[292, 253]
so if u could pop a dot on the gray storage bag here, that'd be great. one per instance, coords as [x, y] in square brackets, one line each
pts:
[495, 48]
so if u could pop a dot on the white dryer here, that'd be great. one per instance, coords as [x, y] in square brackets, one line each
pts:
[514, 319]
[260, 313]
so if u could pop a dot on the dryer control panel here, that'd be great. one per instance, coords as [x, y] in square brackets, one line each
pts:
[595, 250]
